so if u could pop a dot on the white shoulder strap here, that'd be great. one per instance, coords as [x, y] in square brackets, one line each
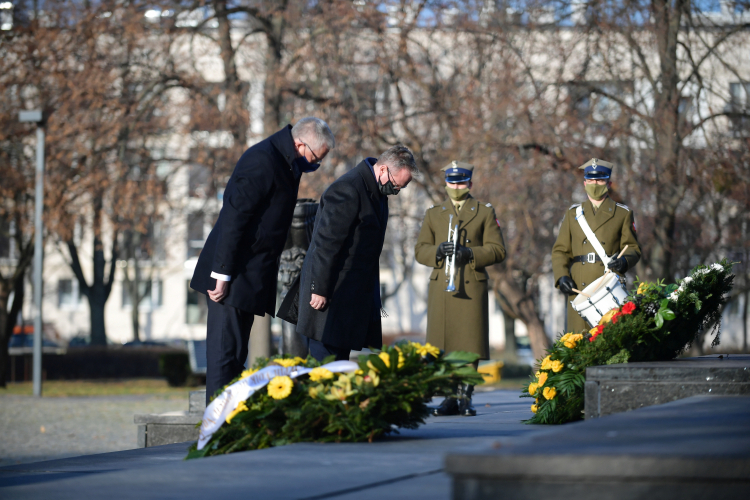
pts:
[590, 235]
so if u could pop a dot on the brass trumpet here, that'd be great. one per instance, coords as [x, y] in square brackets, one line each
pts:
[450, 264]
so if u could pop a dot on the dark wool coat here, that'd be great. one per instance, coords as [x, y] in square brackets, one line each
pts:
[249, 235]
[342, 263]
[614, 226]
[459, 321]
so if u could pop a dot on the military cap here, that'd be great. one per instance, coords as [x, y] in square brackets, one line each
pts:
[458, 171]
[597, 169]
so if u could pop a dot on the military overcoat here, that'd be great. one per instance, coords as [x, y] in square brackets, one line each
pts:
[614, 226]
[459, 321]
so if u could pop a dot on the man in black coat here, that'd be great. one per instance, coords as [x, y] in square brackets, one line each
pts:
[339, 300]
[239, 263]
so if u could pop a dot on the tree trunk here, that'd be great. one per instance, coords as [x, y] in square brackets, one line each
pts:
[98, 292]
[522, 305]
[272, 94]
[232, 84]
[510, 338]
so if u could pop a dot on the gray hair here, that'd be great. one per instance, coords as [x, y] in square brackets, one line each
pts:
[398, 157]
[315, 131]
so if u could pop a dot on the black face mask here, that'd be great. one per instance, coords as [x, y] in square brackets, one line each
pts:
[306, 166]
[388, 188]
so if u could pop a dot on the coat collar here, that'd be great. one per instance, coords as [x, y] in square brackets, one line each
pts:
[365, 169]
[605, 212]
[284, 143]
[467, 213]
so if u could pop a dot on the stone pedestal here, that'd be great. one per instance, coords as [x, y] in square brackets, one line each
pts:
[624, 387]
[156, 429]
[696, 448]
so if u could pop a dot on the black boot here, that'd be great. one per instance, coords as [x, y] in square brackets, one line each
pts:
[449, 406]
[465, 407]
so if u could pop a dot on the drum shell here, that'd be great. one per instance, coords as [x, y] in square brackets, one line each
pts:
[610, 295]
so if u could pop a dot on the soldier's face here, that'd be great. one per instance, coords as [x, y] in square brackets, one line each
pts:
[601, 182]
[459, 185]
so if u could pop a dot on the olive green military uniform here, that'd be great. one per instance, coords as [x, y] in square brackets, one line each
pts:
[459, 321]
[614, 226]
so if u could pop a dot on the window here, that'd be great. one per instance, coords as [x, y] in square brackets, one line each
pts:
[199, 181]
[599, 110]
[195, 234]
[740, 103]
[68, 296]
[150, 293]
[196, 311]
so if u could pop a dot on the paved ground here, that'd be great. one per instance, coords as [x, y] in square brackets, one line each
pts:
[406, 466]
[34, 429]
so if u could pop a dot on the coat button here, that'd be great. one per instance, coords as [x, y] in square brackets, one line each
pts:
[583, 284]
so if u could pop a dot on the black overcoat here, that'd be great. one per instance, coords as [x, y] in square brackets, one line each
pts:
[342, 263]
[249, 235]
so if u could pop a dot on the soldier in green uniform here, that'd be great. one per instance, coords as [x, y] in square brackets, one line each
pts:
[576, 261]
[459, 320]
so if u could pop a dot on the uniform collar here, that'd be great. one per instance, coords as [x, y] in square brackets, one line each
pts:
[284, 143]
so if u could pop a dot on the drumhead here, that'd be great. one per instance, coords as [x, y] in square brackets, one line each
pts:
[581, 302]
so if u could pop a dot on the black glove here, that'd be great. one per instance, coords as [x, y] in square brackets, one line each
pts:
[566, 285]
[463, 255]
[445, 249]
[618, 265]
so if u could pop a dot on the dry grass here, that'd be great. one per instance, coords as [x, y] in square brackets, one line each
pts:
[104, 387]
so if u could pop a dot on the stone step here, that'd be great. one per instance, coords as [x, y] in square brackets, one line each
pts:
[624, 387]
[156, 429]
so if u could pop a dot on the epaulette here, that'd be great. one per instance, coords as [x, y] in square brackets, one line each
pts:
[488, 205]
[575, 205]
[623, 206]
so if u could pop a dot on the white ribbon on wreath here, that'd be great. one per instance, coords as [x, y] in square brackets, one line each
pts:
[216, 413]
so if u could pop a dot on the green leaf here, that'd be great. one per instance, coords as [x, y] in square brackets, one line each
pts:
[668, 314]
[664, 304]
[659, 320]
[461, 357]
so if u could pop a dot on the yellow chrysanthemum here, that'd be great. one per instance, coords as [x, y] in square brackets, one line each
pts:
[542, 379]
[594, 330]
[247, 373]
[532, 388]
[608, 316]
[549, 392]
[557, 365]
[298, 360]
[642, 288]
[286, 363]
[428, 349]
[359, 372]
[280, 387]
[565, 337]
[240, 408]
[320, 373]
[534, 408]
[546, 363]
[537, 374]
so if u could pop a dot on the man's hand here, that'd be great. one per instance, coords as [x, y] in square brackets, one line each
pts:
[220, 292]
[463, 255]
[445, 249]
[318, 302]
[619, 265]
[566, 285]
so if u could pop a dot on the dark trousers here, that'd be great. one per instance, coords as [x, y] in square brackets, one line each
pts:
[320, 351]
[227, 334]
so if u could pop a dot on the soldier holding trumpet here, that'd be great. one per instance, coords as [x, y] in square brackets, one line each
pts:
[459, 239]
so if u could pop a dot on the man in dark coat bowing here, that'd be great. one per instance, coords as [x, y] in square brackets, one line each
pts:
[239, 263]
[339, 299]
